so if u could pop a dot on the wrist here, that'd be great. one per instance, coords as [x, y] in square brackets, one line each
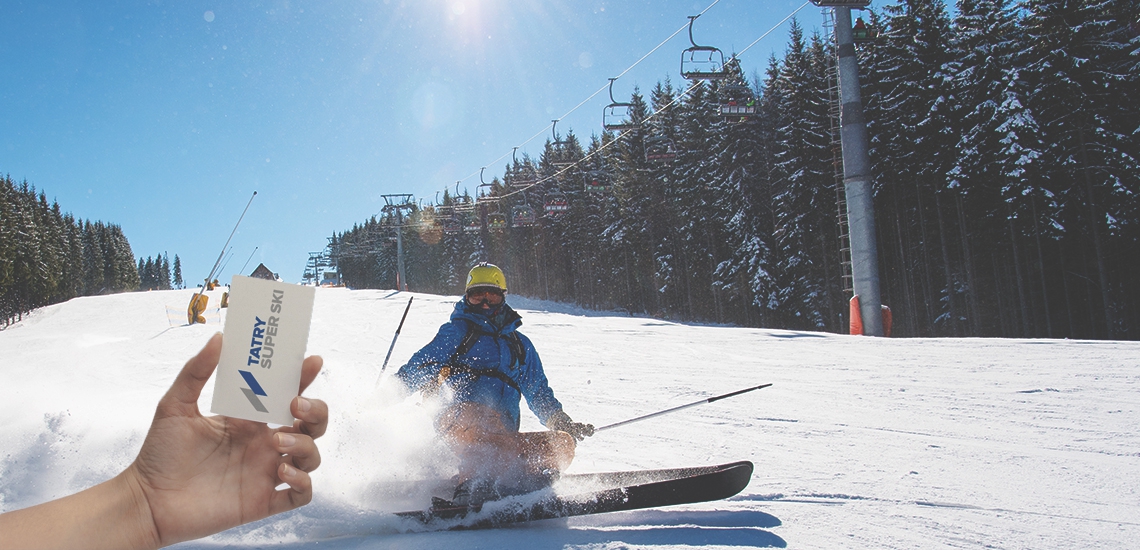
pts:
[112, 515]
[139, 529]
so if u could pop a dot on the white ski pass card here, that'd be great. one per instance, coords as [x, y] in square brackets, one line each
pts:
[267, 327]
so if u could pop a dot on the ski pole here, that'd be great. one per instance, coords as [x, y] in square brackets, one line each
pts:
[675, 409]
[389, 356]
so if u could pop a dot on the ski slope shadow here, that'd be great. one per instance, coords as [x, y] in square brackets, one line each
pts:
[745, 528]
[639, 528]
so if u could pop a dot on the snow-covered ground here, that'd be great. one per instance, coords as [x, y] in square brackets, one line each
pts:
[860, 442]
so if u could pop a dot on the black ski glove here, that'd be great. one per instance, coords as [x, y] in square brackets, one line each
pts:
[562, 422]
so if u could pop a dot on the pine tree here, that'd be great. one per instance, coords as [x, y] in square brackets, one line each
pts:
[1073, 65]
[802, 152]
[178, 283]
[164, 272]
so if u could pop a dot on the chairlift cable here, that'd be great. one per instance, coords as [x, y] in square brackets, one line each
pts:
[651, 116]
[661, 109]
[773, 29]
[593, 95]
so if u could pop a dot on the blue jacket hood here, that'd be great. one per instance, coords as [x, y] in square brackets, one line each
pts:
[506, 321]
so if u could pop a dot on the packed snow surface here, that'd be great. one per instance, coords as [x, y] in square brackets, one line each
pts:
[859, 442]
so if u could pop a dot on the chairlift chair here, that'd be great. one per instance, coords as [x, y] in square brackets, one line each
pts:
[461, 200]
[525, 176]
[445, 217]
[596, 181]
[521, 175]
[862, 32]
[471, 222]
[617, 117]
[483, 191]
[561, 162]
[496, 221]
[523, 216]
[451, 225]
[702, 62]
[555, 204]
[659, 149]
[739, 104]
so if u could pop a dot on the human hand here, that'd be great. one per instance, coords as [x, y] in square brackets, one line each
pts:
[562, 422]
[196, 476]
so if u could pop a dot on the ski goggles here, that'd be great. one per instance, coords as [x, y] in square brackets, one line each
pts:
[479, 296]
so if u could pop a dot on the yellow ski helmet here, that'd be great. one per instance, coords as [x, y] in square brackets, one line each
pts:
[486, 275]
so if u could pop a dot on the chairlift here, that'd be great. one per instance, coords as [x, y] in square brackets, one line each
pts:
[496, 221]
[483, 191]
[701, 62]
[659, 149]
[449, 220]
[555, 204]
[596, 181]
[461, 200]
[521, 175]
[561, 162]
[617, 117]
[471, 222]
[861, 32]
[738, 105]
[523, 216]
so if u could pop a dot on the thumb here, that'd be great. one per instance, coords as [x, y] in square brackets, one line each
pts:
[190, 381]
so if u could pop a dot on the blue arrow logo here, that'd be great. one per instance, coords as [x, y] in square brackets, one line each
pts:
[253, 391]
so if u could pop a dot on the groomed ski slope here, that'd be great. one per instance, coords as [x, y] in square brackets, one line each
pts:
[860, 442]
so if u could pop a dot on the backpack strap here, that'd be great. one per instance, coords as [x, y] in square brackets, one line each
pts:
[514, 344]
[468, 341]
[453, 366]
[460, 368]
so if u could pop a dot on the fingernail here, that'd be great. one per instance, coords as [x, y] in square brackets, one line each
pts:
[289, 472]
[303, 404]
[285, 440]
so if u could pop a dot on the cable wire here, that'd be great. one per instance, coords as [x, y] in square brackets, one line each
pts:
[557, 175]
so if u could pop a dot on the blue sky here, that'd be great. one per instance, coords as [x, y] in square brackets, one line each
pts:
[164, 117]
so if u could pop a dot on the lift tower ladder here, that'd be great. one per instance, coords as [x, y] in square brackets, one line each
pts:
[836, 144]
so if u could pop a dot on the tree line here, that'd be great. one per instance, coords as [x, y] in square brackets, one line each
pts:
[1005, 144]
[158, 273]
[47, 256]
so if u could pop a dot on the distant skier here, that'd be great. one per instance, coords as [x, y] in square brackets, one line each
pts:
[484, 366]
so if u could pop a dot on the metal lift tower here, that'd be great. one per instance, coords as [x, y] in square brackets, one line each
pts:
[399, 203]
[857, 171]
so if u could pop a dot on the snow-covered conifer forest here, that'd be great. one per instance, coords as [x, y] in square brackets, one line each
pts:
[48, 256]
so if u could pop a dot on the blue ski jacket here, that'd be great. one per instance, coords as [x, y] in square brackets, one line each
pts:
[491, 373]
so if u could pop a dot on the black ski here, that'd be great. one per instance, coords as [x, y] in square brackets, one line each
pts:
[585, 494]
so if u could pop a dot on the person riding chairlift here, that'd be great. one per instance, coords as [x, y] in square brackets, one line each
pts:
[860, 31]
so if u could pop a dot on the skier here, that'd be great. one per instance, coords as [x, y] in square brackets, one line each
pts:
[484, 367]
